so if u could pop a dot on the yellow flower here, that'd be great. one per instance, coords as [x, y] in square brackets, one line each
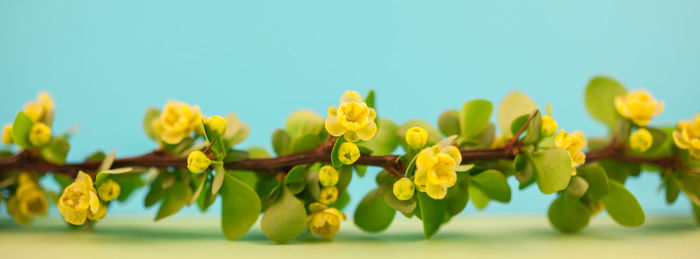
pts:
[28, 201]
[41, 109]
[7, 134]
[77, 199]
[687, 136]
[40, 134]
[100, 214]
[641, 140]
[348, 153]
[404, 189]
[435, 170]
[353, 118]
[639, 106]
[177, 121]
[549, 126]
[197, 162]
[109, 190]
[328, 195]
[574, 143]
[328, 176]
[217, 125]
[324, 221]
[416, 137]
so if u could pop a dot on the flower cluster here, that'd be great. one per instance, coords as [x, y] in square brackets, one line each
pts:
[41, 113]
[574, 143]
[435, 170]
[638, 106]
[177, 121]
[687, 136]
[29, 200]
[80, 202]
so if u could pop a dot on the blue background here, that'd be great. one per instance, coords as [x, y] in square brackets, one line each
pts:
[106, 61]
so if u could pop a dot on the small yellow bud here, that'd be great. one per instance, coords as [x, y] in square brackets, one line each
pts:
[328, 195]
[217, 125]
[549, 126]
[40, 134]
[108, 190]
[7, 134]
[416, 137]
[348, 153]
[197, 162]
[641, 140]
[404, 189]
[328, 176]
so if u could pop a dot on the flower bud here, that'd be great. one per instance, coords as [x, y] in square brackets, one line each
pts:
[197, 162]
[7, 134]
[217, 125]
[549, 126]
[40, 134]
[108, 190]
[416, 137]
[328, 195]
[348, 153]
[404, 189]
[328, 176]
[641, 140]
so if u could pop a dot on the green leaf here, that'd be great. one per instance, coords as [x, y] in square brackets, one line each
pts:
[128, 184]
[448, 123]
[155, 193]
[577, 187]
[295, 179]
[523, 168]
[432, 213]
[360, 170]
[600, 99]
[369, 99]
[385, 140]
[619, 171]
[56, 151]
[200, 187]
[240, 207]
[696, 213]
[176, 197]
[235, 156]
[552, 168]
[280, 141]
[218, 178]
[151, 114]
[494, 184]
[373, 214]
[312, 184]
[102, 175]
[285, 219]
[597, 180]
[622, 206]
[335, 159]
[513, 106]
[690, 184]
[568, 214]
[304, 122]
[458, 196]
[304, 143]
[344, 178]
[20, 130]
[474, 117]
[406, 207]
[236, 131]
[479, 198]
[672, 189]
[219, 147]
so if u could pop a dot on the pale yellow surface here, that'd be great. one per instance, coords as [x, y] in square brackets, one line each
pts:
[509, 236]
